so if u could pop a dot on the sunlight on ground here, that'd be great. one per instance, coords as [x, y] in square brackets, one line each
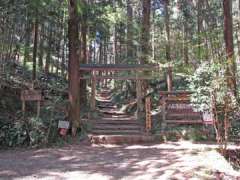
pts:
[179, 160]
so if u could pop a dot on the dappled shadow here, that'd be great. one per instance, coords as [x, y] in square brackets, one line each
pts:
[98, 162]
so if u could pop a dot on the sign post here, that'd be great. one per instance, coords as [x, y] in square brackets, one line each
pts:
[63, 127]
[31, 95]
[93, 92]
[148, 114]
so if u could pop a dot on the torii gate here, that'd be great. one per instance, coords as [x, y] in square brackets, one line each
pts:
[136, 69]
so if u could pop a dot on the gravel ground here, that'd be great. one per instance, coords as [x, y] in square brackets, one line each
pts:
[182, 160]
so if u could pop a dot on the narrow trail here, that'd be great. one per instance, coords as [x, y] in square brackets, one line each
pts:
[114, 126]
[112, 120]
[106, 105]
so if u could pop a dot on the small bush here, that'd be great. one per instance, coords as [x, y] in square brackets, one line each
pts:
[213, 93]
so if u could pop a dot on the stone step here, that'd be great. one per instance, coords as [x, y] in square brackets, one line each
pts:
[112, 112]
[119, 116]
[197, 121]
[116, 127]
[108, 92]
[115, 132]
[106, 102]
[112, 122]
[103, 100]
[120, 139]
[103, 106]
[115, 122]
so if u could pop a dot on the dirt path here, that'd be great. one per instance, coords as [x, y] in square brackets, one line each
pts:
[161, 161]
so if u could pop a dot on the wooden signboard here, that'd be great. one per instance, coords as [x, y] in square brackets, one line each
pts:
[179, 106]
[148, 114]
[176, 107]
[31, 95]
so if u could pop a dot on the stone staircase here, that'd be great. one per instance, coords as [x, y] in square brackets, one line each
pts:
[114, 126]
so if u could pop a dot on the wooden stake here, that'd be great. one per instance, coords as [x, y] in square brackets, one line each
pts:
[93, 93]
[148, 114]
[164, 113]
[139, 98]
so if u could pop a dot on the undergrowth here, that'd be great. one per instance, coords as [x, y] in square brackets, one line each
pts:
[17, 130]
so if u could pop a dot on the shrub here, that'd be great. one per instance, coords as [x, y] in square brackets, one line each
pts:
[212, 94]
[32, 131]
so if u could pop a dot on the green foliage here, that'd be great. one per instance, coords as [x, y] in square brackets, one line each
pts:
[235, 130]
[32, 131]
[29, 132]
[209, 79]
[201, 84]
[212, 94]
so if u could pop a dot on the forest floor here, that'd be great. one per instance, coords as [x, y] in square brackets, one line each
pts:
[171, 160]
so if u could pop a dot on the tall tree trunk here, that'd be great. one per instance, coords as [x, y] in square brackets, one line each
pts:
[63, 58]
[10, 42]
[228, 37]
[199, 26]
[168, 47]
[105, 50]
[238, 30]
[41, 48]
[27, 42]
[113, 45]
[129, 30]
[49, 49]
[59, 52]
[74, 56]
[2, 33]
[35, 47]
[185, 43]
[83, 83]
[63, 44]
[145, 37]
[94, 52]
[153, 35]
[146, 53]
